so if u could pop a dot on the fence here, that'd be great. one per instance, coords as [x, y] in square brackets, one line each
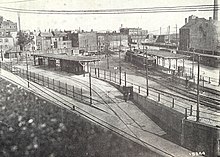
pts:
[180, 104]
[56, 85]
[192, 73]
[120, 78]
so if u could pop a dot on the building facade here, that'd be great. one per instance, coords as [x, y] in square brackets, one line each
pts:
[7, 26]
[135, 35]
[114, 41]
[88, 41]
[199, 34]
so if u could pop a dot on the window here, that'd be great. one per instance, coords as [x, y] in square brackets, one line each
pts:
[1, 40]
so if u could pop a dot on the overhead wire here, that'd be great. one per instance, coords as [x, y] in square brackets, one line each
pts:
[114, 11]
[21, 1]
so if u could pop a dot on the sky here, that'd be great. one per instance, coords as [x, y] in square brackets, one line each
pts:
[148, 21]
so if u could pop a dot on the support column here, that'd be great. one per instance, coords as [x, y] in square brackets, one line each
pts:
[169, 64]
[183, 65]
[176, 64]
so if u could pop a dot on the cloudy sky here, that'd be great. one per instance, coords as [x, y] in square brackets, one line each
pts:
[149, 21]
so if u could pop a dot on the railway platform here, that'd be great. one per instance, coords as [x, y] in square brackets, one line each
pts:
[123, 117]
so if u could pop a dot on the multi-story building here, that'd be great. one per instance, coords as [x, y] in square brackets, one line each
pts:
[200, 34]
[8, 33]
[44, 41]
[114, 41]
[135, 35]
[74, 37]
[88, 41]
[7, 26]
[60, 40]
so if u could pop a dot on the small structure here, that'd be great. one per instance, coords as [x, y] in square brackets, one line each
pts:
[71, 64]
[164, 55]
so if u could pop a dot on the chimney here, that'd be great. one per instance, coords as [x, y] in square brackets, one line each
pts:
[215, 13]
[185, 20]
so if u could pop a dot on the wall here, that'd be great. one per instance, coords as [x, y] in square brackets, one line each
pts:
[200, 137]
[88, 41]
[164, 115]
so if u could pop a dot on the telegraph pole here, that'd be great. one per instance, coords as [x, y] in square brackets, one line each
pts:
[106, 49]
[27, 70]
[168, 34]
[120, 61]
[146, 67]
[1, 53]
[90, 88]
[198, 99]
[176, 37]
[193, 63]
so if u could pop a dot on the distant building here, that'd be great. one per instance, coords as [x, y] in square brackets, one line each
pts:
[74, 37]
[135, 35]
[7, 26]
[200, 34]
[60, 40]
[6, 43]
[168, 39]
[44, 41]
[113, 41]
[88, 41]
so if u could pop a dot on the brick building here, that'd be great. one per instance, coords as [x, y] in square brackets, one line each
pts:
[200, 34]
[88, 41]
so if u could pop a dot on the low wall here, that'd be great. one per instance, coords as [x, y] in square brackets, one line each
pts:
[165, 117]
[162, 114]
[200, 137]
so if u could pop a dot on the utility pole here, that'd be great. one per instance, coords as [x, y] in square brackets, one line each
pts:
[120, 61]
[168, 31]
[27, 69]
[176, 37]
[137, 39]
[106, 49]
[146, 68]
[1, 53]
[198, 99]
[90, 88]
[19, 22]
[160, 30]
[193, 63]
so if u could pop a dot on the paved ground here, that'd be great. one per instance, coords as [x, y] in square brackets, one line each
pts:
[126, 118]
[209, 115]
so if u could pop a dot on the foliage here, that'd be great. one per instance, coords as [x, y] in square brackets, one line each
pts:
[23, 39]
[31, 126]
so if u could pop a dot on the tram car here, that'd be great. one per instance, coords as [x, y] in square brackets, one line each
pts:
[138, 58]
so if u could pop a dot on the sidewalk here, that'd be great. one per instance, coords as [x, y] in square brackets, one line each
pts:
[126, 118]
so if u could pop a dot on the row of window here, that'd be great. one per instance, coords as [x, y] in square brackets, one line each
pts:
[5, 40]
[4, 47]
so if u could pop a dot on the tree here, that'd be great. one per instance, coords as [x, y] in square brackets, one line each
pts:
[23, 39]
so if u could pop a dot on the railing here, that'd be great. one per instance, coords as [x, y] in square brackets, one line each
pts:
[180, 104]
[72, 91]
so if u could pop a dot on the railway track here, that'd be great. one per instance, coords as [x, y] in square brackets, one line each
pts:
[180, 89]
[211, 101]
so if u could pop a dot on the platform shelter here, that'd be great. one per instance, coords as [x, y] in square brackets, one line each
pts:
[71, 64]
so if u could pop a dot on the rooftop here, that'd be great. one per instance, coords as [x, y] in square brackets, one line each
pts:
[68, 57]
[165, 54]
